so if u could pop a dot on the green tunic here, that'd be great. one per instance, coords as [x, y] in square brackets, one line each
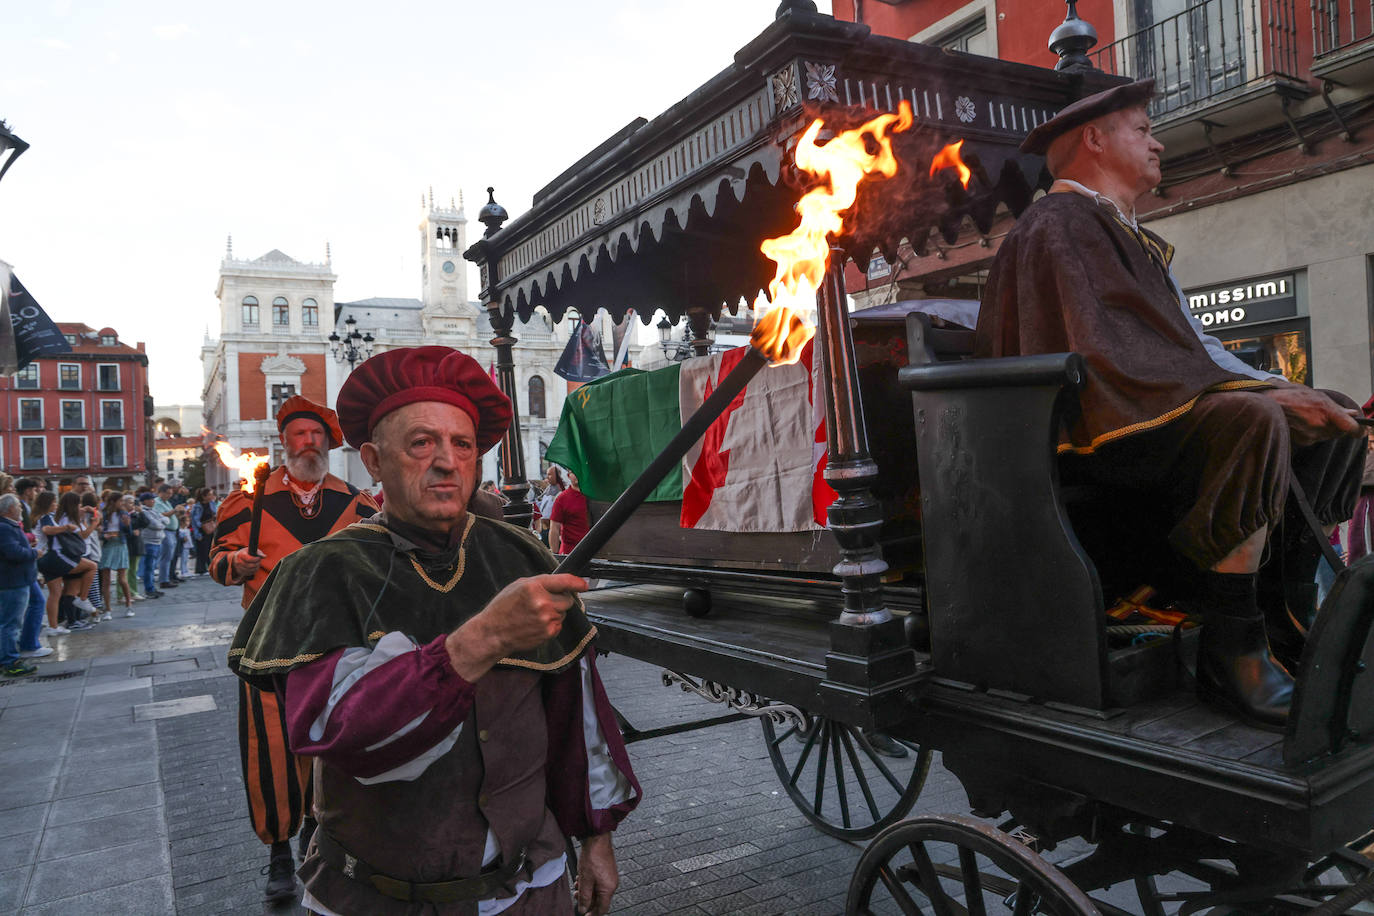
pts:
[364, 581]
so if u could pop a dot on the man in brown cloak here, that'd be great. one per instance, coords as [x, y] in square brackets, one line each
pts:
[1165, 405]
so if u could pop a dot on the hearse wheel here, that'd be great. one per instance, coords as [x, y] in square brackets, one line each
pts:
[840, 782]
[945, 865]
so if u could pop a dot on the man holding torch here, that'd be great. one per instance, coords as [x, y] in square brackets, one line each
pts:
[296, 504]
[441, 674]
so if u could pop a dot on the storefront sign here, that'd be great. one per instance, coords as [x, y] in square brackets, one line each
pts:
[1245, 301]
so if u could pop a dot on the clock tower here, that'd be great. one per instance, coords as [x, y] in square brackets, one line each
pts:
[444, 282]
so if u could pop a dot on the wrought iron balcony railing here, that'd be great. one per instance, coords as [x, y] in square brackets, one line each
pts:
[1338, 24]
[1209, 48]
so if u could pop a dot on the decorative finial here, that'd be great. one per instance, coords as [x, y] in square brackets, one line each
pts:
[801, 6]
[492, 214]
[1071, 41]
[431, 197]
[460, 201]
[229, 249]
[328, 255]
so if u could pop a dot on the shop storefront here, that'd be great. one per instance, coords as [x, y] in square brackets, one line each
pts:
[1264, 317]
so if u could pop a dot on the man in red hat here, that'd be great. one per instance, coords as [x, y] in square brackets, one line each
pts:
[1165, 405]
[301, 502]
[441, 675]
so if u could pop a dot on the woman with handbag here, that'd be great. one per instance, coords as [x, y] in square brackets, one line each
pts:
[203, 527]
[114, 553]
[63, 564]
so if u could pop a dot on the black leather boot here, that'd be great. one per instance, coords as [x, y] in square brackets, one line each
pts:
[1236, 670]
[281, 874]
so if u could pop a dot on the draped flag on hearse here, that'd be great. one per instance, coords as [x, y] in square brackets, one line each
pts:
[758, 467]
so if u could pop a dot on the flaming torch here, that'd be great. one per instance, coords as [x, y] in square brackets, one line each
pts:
[250, 467]
[781, 331]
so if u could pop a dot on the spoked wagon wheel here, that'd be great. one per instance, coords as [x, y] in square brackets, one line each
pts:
[837, 779]
[944, 865]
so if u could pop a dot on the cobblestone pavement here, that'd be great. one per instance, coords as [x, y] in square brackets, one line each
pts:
[121, 794]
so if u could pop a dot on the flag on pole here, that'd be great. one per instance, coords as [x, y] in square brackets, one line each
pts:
[583, 359]
[26, 331]
[759, 466]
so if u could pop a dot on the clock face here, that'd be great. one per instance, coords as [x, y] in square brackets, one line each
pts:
[448, 267]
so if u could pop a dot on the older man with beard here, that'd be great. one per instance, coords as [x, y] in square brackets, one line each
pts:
[301, 502]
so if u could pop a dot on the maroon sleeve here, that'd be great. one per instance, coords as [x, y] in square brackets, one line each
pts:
[568, 794]
[365, 732]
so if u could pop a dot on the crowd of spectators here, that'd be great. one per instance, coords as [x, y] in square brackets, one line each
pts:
[68, 560]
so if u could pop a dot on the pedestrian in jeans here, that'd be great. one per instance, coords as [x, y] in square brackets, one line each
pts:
[18, 569]
[164, 507]
[151, 533]
[28, 489]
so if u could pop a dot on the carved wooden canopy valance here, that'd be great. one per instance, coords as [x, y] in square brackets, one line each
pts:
[669, 213]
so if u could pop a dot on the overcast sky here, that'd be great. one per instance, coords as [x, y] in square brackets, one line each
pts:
[158, 129]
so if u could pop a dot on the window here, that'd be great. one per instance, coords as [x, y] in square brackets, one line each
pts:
[30, 413]
[310, 313]
[111, 414]
[108, 340]
[171, 465]
[73, 415]
[27, 377]
[107, 376]
[281, 312]
[74, 452]
[250, 310]
[537, 397]
[280, 395]
[69, 376]
[112, 451]
[34, 452]
[971, 37]
[71, 339]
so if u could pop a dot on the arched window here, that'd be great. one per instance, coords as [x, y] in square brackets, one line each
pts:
[250, 310]
[537, 397]
[310, 313]
[281, 312]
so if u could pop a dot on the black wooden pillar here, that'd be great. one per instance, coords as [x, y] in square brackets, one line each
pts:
[869, 655]
[514, 485]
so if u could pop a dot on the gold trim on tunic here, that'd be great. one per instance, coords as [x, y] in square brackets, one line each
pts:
[550, 666]
[1145, 425]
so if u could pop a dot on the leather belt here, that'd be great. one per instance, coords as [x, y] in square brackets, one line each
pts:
[482, 887]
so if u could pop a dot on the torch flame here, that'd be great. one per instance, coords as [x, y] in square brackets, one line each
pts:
[949, 158]
[244, 464]
[780, 332]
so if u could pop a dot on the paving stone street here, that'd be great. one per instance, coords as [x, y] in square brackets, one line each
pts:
[121, 793]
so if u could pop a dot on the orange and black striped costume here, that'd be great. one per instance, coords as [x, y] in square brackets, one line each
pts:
[278, 784]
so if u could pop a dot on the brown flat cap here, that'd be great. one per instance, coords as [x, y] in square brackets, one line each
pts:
[1127, 95]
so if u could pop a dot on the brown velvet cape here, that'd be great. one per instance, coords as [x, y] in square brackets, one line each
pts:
[1071, 277]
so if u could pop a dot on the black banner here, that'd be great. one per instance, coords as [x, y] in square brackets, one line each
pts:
[583, 359]
[35, 335]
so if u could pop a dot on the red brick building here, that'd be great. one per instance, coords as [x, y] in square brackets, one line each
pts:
[1266, 112]
[85, 412]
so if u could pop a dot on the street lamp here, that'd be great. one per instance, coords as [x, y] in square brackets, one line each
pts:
[11, 148]
[353, 347]
[665, 335]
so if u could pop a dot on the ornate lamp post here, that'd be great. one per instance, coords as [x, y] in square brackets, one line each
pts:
[678, 350]
[353, 347]
[11, 148]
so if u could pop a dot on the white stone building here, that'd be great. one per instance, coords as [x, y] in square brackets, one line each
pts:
[277, 315]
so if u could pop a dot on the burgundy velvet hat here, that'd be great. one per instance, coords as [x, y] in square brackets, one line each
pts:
[1117, 98]
[409, 375]
[298, 407]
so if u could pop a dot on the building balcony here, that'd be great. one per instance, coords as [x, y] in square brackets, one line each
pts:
[1215, 52]
[1343, 40]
